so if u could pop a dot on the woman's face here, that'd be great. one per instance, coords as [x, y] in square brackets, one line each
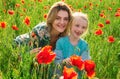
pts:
[60, 22]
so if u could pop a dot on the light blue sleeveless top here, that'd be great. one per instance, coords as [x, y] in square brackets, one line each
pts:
[65, 49]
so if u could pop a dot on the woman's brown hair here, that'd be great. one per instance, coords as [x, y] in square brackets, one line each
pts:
[53, 13]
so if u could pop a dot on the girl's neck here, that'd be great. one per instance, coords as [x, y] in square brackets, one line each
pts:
[73, 40]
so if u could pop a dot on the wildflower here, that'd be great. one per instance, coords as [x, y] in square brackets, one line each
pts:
[101, 25]
[102, 14]
[17, 5]
[11, 12]
[90, 4]
[77, 61]
[111, 39]
[69, 73]
[46, 55]
[99, 32]
[22, 1]
[110, 8]
[45, 16]
[117, 14]
[107, 22]
[89, 68]
[45, 7]
[3, 24]
[27, 20]
[39, 0]
[14, 27]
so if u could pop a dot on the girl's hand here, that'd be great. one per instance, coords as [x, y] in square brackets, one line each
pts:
[67, 61]
[61, 77]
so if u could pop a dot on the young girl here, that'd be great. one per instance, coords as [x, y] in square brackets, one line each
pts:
[73, 43]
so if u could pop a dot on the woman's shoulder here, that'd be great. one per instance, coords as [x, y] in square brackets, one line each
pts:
[41, 25]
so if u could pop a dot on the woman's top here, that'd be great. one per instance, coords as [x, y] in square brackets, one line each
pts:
[64, 49]
[38, 37]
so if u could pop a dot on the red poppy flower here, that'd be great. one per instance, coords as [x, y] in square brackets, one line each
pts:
[45, 16]
[117, 14]
[39, 0]
[3, 24]
[118, 10]
[77, 61]
[14, 27]
[102, 14]
[22, 1]
[110, 8]
[90, 68]
[101, 25]
[46, 55]
[69, 73]
[111, 39]
[27, 20]
[17, 5]
[11, 12]
[99, 32]
[107, 22]
[90, 4]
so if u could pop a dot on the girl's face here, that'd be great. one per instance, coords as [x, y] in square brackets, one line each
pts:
[79, 26]
[60, 22]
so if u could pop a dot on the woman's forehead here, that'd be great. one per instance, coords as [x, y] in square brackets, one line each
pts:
[62, 13]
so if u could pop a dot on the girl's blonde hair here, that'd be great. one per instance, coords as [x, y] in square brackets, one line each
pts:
[53, 13]
[82, 16]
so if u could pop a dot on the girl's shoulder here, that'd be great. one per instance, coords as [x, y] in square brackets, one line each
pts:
[83, 42]
[64, 38]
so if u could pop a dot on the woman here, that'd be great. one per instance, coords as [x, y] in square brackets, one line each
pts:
[43, 34]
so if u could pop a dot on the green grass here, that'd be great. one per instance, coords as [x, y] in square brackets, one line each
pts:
[106, 55]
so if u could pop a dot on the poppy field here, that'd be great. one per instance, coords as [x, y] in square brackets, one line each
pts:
[103, 37]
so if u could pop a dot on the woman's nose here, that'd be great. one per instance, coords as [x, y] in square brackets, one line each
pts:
[61, 21]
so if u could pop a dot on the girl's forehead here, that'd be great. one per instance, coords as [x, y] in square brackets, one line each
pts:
[79, 20]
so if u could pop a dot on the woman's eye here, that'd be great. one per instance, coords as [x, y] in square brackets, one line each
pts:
[66, 19]
[57, 18]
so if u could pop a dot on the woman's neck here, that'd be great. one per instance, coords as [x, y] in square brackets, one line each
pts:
[53, 38]
[73, 40]
[54, 33]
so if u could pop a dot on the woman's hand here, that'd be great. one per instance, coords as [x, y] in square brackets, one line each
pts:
[35, 50]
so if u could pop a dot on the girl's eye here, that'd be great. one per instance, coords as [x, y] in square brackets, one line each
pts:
[77, 25]
[84, 27]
